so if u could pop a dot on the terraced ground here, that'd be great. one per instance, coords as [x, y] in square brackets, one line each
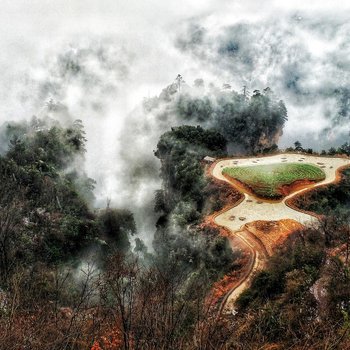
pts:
[267, 180]
[252, 209]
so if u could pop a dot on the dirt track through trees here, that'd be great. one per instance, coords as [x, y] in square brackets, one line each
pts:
[251, 209]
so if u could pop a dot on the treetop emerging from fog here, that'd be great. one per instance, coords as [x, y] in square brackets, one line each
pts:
[250, 121]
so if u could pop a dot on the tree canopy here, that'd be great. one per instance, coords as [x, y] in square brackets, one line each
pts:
[250, 124]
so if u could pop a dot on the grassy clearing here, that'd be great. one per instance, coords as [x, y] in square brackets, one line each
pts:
[266, 180]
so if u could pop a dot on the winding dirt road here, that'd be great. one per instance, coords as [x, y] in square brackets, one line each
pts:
[251, 209]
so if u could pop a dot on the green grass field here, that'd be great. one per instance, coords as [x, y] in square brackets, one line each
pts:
[266, 180]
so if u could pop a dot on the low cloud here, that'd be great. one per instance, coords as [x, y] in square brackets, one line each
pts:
[302, 57]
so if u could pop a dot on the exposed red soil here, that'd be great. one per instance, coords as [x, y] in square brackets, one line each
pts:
[229, 281]
[272, 234]
[297, 185]
[284, 190]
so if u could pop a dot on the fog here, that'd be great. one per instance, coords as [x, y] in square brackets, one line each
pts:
[101, 58]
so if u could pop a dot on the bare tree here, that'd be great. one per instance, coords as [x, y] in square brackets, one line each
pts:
[179, 80]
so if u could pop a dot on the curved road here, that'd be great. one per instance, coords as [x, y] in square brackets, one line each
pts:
[252, 209]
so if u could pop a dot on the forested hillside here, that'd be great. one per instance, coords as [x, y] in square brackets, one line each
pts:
[77, 277]
[59, 255]
[250, 121]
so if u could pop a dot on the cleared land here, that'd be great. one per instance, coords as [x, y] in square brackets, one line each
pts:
[268, 180]
[250, 210]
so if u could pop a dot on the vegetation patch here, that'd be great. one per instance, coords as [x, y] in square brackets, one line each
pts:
[270, 181]
[332, 200]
